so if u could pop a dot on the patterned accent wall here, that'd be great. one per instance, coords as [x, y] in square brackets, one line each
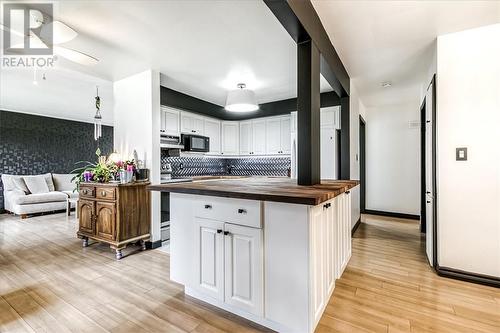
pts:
[32, 144]
[202, 166]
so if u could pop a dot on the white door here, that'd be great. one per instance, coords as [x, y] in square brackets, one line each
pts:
[244, 276]
[171, 120]
[212, 130]
[246, 138]
[273, 136]
[328, 153]
[259, 137]
[429, 209]
[285, 130]
[209, 256]
[187, 123]
[230, 138]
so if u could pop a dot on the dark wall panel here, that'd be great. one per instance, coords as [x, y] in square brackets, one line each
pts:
[178, 100]
[32, 144]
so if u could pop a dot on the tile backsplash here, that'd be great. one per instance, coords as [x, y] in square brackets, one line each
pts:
[203, 166]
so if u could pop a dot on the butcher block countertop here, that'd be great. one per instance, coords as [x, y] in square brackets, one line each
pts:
[262, 188]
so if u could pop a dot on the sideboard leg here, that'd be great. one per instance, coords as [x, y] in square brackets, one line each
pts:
[143, 245]
[119, 254]
[85, 242]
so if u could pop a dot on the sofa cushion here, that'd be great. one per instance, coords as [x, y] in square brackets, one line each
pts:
[63, 182]
[50, 182]
[71, 194]
[36, 184]
[40, 198]
[20, 184]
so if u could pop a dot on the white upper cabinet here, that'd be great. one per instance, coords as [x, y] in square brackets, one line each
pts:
[230, 137]
[278, 135]
[285, 135]
[246, 147]
[330, 117]
[191, 123]
[259, 137]
[212, 130]
[170, 121]
[273, 136]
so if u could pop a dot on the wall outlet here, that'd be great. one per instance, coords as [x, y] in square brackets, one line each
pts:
[461, 154]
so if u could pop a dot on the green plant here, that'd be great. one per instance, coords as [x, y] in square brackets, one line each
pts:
[102, 173]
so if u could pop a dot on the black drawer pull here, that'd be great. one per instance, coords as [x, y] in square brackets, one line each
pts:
[226, 233]
[347, 192]
[219, 231]
[208, 206]
[428, 202]
[242, 211]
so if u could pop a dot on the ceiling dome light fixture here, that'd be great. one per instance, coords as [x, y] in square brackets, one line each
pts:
[386, 84]
[241, 100]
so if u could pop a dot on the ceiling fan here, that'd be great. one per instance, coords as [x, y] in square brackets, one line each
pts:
[61, 33]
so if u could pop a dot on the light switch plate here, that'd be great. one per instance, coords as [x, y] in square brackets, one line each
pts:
[461, 154]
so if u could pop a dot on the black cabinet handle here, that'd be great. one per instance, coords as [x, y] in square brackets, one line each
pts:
[427, 192]
[428, 202]
[219, 231]
[328, 205]
[325, 206]
[226, 233]
[347, 192]
[242, 211]
[427, 121]
[208, 206]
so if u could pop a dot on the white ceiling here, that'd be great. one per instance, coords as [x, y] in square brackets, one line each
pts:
[64, 94]
[202, 48]
[392, 40]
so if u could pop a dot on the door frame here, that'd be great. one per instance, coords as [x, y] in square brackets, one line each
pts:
[362, 164]
[423, 206]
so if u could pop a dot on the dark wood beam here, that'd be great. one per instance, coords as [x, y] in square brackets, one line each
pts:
[311, 23]
[308, 115]
[345, 139]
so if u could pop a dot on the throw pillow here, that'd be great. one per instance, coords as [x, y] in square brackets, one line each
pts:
[20, 184]
[36, 184]
[50, 182]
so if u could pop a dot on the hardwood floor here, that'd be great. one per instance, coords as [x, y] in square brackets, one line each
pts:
[49, 283]
[388, 286]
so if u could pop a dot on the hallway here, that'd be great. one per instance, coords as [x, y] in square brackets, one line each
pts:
[392, 288]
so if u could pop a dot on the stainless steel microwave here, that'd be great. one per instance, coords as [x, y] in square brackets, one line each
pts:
[195, 143]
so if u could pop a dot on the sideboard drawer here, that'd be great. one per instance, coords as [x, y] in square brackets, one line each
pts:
[87, 192]
[105, 193]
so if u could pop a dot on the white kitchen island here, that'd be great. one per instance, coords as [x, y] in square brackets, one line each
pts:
[260, 256]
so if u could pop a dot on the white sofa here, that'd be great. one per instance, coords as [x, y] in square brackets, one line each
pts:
[21, 200]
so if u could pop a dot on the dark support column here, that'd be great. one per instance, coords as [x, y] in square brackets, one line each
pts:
[308, 115]
[345, 139]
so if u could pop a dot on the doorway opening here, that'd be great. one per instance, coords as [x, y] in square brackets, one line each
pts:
[362, 164]
[423, 205]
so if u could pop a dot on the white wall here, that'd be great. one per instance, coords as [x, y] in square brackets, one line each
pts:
[468, 115]
[393, 159]
[137, 126]
[356, 108]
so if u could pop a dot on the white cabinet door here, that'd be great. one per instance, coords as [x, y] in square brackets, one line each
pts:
[212, 130]
[285, 130]
[186, 123]
[273, 136]
[191, 123]
[316, 240]
[170, 121]
[162, 121]
[209, 256]
[246, 138]
[329, 219]
[244, 276]
[259, 137]
[230, 138]
[198, 125]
